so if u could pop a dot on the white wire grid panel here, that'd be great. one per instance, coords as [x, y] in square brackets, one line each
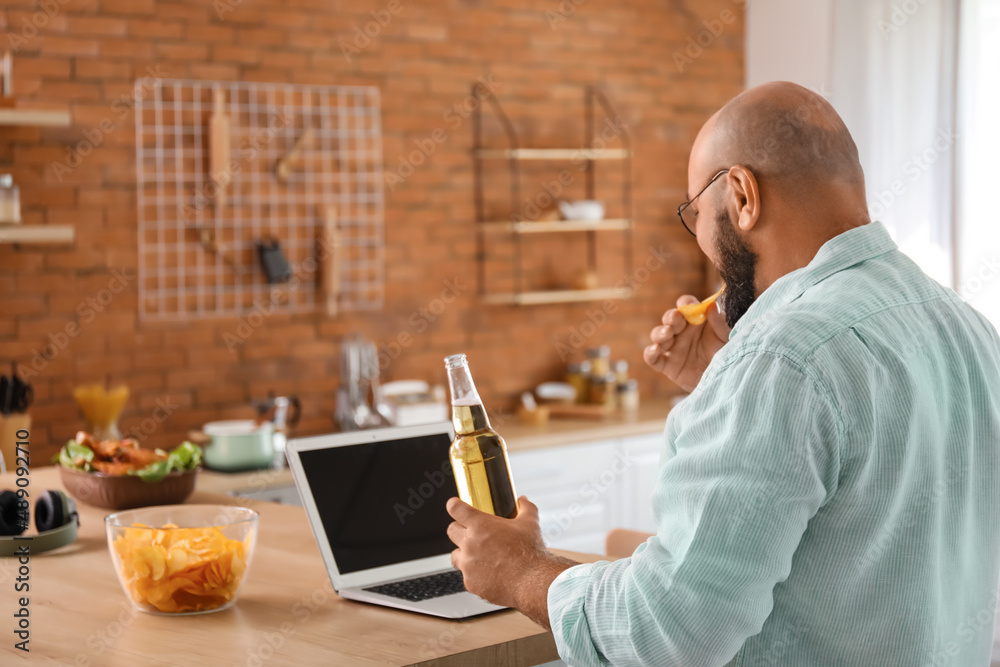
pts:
[179, 278]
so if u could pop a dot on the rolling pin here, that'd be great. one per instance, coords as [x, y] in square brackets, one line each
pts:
[218, 148]
[330, 253]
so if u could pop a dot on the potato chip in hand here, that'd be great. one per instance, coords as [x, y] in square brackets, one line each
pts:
[695, 313]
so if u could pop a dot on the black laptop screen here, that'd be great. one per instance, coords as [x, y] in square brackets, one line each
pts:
[383, 503]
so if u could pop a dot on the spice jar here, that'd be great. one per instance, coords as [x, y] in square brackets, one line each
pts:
[576, 375]
[602, 391]
[628, 395]
[600, 361]
[10, 200]
[621, 371]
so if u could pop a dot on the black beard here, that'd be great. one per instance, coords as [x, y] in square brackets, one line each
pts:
[738, 268]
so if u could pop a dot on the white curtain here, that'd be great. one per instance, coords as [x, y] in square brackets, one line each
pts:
[978, 224]
[893, 74]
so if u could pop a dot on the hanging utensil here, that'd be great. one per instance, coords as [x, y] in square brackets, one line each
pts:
[288, 163]
[273, 262]
[382, 407]
[329, 251]
[219, 146]
[363, 415]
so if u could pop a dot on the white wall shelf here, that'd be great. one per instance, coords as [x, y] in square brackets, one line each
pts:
[553, 153]
[556, 226]
[558, 296]
[35, 117]
[36, 234]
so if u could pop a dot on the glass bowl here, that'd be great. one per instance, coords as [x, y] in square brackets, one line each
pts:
[182, 559]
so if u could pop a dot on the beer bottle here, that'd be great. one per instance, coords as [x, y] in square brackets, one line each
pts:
[479, 454]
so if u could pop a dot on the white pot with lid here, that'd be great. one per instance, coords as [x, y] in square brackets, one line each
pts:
[239, 444]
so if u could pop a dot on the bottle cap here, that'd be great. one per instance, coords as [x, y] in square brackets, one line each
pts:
[455, 360]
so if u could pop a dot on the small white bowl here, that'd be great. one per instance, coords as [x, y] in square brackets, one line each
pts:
[588, 210]
[556, 392]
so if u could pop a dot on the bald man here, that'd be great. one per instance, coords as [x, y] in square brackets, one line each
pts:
[829, 491]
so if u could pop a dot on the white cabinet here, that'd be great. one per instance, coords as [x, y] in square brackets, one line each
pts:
[583, 491]
[574, 505]
[636, 509]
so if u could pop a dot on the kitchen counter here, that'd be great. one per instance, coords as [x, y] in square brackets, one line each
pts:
[649, 419]
[287, 612]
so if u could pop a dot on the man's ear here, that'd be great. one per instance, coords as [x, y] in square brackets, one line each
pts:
[744, 196]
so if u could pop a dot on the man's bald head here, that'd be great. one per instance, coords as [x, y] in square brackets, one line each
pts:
[793, 181]
[785, 134]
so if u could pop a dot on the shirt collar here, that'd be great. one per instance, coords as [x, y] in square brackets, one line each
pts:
[841, 252]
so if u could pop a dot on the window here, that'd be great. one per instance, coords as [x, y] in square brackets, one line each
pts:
[978, 219]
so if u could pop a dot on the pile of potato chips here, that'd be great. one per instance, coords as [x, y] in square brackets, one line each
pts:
[180, 569]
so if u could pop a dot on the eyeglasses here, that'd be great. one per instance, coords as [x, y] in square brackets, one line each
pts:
[691, 221]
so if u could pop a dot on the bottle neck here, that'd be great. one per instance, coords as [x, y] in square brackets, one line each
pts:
[468, 413]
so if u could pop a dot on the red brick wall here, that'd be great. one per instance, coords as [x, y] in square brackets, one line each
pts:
[665, 65]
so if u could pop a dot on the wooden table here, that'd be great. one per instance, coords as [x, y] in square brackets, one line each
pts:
[287, 612]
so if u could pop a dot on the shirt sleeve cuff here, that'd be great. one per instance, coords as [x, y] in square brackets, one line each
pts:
[567, 598]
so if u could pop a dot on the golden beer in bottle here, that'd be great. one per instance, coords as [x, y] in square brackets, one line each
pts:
[478, 454]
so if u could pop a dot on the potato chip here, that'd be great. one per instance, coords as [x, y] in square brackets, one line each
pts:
[180, 569]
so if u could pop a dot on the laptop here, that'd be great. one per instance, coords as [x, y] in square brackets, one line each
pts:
[376, 504]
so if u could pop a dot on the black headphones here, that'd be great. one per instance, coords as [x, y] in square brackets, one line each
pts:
[56, 519]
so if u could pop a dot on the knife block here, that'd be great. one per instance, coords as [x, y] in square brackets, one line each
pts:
[9, 426]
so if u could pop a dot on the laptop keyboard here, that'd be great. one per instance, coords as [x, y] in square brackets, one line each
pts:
[423, 588]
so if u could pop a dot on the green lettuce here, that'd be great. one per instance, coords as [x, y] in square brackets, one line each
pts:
[72, 452]
[186, 456]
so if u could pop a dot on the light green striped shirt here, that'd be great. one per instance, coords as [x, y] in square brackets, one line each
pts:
[829, 493]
